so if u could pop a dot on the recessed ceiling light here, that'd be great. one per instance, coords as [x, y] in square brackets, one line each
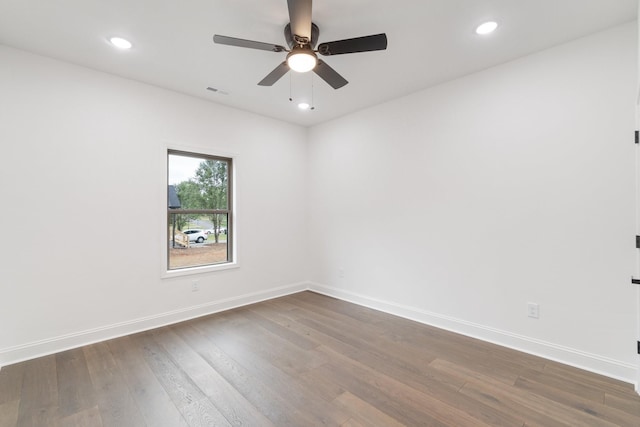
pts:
[120, 43]
[303, 106]
[486, 28]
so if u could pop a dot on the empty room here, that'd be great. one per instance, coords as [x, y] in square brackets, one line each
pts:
[296, 213]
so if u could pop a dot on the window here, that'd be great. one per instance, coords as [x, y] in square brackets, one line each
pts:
[199, 215]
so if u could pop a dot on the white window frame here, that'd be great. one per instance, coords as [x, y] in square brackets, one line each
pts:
[232, 230]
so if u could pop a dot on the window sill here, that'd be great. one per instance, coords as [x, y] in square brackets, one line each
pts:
[168, 274]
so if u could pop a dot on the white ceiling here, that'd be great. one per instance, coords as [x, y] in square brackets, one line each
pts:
[430, 42]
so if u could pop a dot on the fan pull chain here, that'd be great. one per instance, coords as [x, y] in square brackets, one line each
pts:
[313, 104]
[290, 88]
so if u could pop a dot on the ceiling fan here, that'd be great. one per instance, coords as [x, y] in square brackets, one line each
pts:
[301, 36]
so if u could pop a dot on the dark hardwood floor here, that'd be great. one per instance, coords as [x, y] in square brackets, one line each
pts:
[306, 360]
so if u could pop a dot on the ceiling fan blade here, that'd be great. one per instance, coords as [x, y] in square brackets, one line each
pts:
[275, 75]
[329, 75]
[300, 18]
[358, 44]
[232, 41]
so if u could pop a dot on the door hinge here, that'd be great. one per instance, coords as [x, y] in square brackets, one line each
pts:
[637, 137]
[638, 347]
[637, 242]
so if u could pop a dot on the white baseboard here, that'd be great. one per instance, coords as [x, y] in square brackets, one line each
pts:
[590, 362]
[45, 347]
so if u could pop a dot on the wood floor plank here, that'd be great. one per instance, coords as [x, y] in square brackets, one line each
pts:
[306, 360]
[336, 317]
[553, 380]
[154, 403]
[267, 366]
[358, 313]
[278, 329]
[484, 357]
[431, 381]
[195, 407]
[11, 382]
[280, 352]
[86, 418]
[363, 413]
[323, 387]
[277, 408]
[39, 395]
[177, 384]
[9, 413]
[365, 345]
[503, 401]
[423, 400]
[375, 395]
[627, 402]
[229, 401]
[480, 386]
[116, 404]
[566, 397]
[390, 360]
[599, 382]
[352, 423]
[372, 340]
[500, 362]
[202, 413]
[272, 352]
[538, 407]
[440, 340]
[75, 389]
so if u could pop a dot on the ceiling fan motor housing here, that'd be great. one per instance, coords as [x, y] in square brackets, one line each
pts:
[315, 32]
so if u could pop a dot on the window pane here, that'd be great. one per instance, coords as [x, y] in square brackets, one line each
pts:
[199, 183]
[197, 240]
[199, 210]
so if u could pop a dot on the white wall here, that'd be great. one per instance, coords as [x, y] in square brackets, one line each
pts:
[81, 181]
[454, 206]
[459, 204]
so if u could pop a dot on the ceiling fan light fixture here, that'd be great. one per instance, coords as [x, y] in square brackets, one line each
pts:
[302, 59]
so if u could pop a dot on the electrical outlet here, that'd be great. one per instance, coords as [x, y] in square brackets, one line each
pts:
[195, 287]
[533, 310]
